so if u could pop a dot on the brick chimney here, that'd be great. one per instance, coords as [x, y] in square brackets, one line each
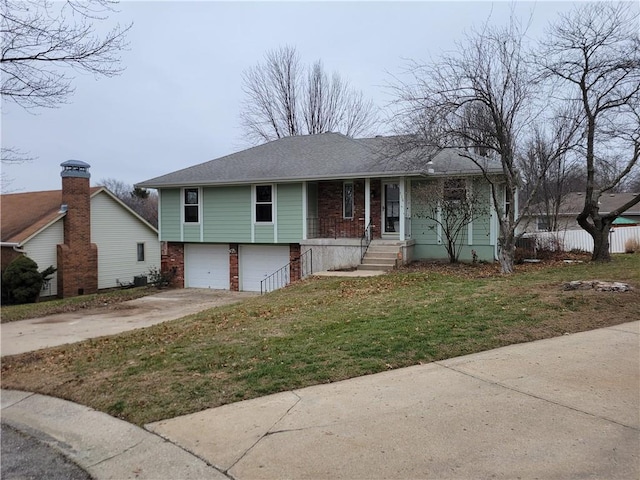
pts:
[77, 256]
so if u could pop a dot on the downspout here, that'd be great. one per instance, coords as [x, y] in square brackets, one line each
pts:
[16, 246]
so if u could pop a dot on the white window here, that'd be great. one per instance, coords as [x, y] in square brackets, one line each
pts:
[191, 205]
[140, 251]
[347, 197]
[455, 189]
[264, 203]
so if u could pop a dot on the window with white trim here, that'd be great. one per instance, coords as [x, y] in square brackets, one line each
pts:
[191, 205]
[348, 199]
[140, 252]
[455, 189]
[264, 203]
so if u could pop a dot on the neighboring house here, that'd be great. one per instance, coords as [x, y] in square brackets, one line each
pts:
[573, 203]
[86, 232]
[230, 222]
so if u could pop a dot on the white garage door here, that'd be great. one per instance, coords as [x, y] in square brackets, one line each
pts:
[206, 266]
[257, 262]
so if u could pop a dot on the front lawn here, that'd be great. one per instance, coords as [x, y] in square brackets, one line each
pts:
[323, 330]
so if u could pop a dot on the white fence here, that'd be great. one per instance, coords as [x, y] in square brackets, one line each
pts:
[569, 240]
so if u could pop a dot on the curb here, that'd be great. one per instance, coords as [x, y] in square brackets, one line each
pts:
[104, 446]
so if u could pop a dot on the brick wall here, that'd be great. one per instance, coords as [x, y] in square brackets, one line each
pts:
[172, 260]
[331, 210]
[77, 260]
[294, 259]
[8, 256]
[234, 273]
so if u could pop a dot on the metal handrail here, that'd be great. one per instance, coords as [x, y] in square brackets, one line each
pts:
[365, 241]
[282, 277]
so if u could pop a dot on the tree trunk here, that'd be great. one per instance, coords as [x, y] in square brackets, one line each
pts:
[507, 255]
[601, 243]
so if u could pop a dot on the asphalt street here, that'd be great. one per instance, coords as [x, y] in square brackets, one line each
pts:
[24, 458]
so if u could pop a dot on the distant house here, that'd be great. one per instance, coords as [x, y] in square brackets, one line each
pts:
[94, 239]
[231, 222]
[573, 203]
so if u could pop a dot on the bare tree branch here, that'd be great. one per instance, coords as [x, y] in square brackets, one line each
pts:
[483, 99]
[594, 53]
[284, 98]
[42, 40]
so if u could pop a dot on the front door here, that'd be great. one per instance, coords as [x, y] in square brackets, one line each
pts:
[391, 208]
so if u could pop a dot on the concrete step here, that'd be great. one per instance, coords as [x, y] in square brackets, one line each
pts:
[390, 250]
[375, 267]
[367, 260]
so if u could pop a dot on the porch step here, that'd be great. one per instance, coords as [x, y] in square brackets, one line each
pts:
[380, 258]
[381, 255]
[375, 267]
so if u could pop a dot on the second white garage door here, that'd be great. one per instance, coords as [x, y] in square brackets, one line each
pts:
[257, 262]
[206, 266]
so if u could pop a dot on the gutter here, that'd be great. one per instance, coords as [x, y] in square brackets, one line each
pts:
[349, 176]
[16, 246]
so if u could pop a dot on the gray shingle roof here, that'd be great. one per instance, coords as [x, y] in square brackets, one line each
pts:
[317, 157]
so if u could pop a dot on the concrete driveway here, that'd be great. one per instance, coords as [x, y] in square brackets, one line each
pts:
[34, 334]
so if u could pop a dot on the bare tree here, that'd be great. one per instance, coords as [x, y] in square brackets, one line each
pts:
[284, 98]
[42, 40]
[544, 163]
[482, 99]
[11, 156]
[594, 54]
[142, 201]
[331, 105]
[451, 204]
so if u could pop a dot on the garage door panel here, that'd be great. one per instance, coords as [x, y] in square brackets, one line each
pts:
[207, 266]
[257, 262]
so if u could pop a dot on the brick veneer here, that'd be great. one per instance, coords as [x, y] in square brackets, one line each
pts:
[172, 260]
[294, 259]
[77, 260]
[330, 207]
[234, 272]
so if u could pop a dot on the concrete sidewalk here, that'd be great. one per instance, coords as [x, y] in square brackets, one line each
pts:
[566, 407]
[563, 408]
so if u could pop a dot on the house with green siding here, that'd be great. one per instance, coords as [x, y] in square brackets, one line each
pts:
[262, 217]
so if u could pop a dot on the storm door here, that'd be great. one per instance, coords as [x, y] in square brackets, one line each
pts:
[391, 208]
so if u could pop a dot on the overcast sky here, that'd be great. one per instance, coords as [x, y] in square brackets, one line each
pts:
[178, 102]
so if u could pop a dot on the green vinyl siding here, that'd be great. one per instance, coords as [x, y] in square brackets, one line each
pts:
[191, 233]
[227, 214]
[423, 230]
[482, 224]
[170, 215]
[439, 252]
[264, 233]
[289, 212]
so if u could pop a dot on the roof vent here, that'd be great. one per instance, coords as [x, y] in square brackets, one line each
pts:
[75, 168]
[63, 208]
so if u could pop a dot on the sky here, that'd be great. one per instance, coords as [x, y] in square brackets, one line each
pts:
[178, 102]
